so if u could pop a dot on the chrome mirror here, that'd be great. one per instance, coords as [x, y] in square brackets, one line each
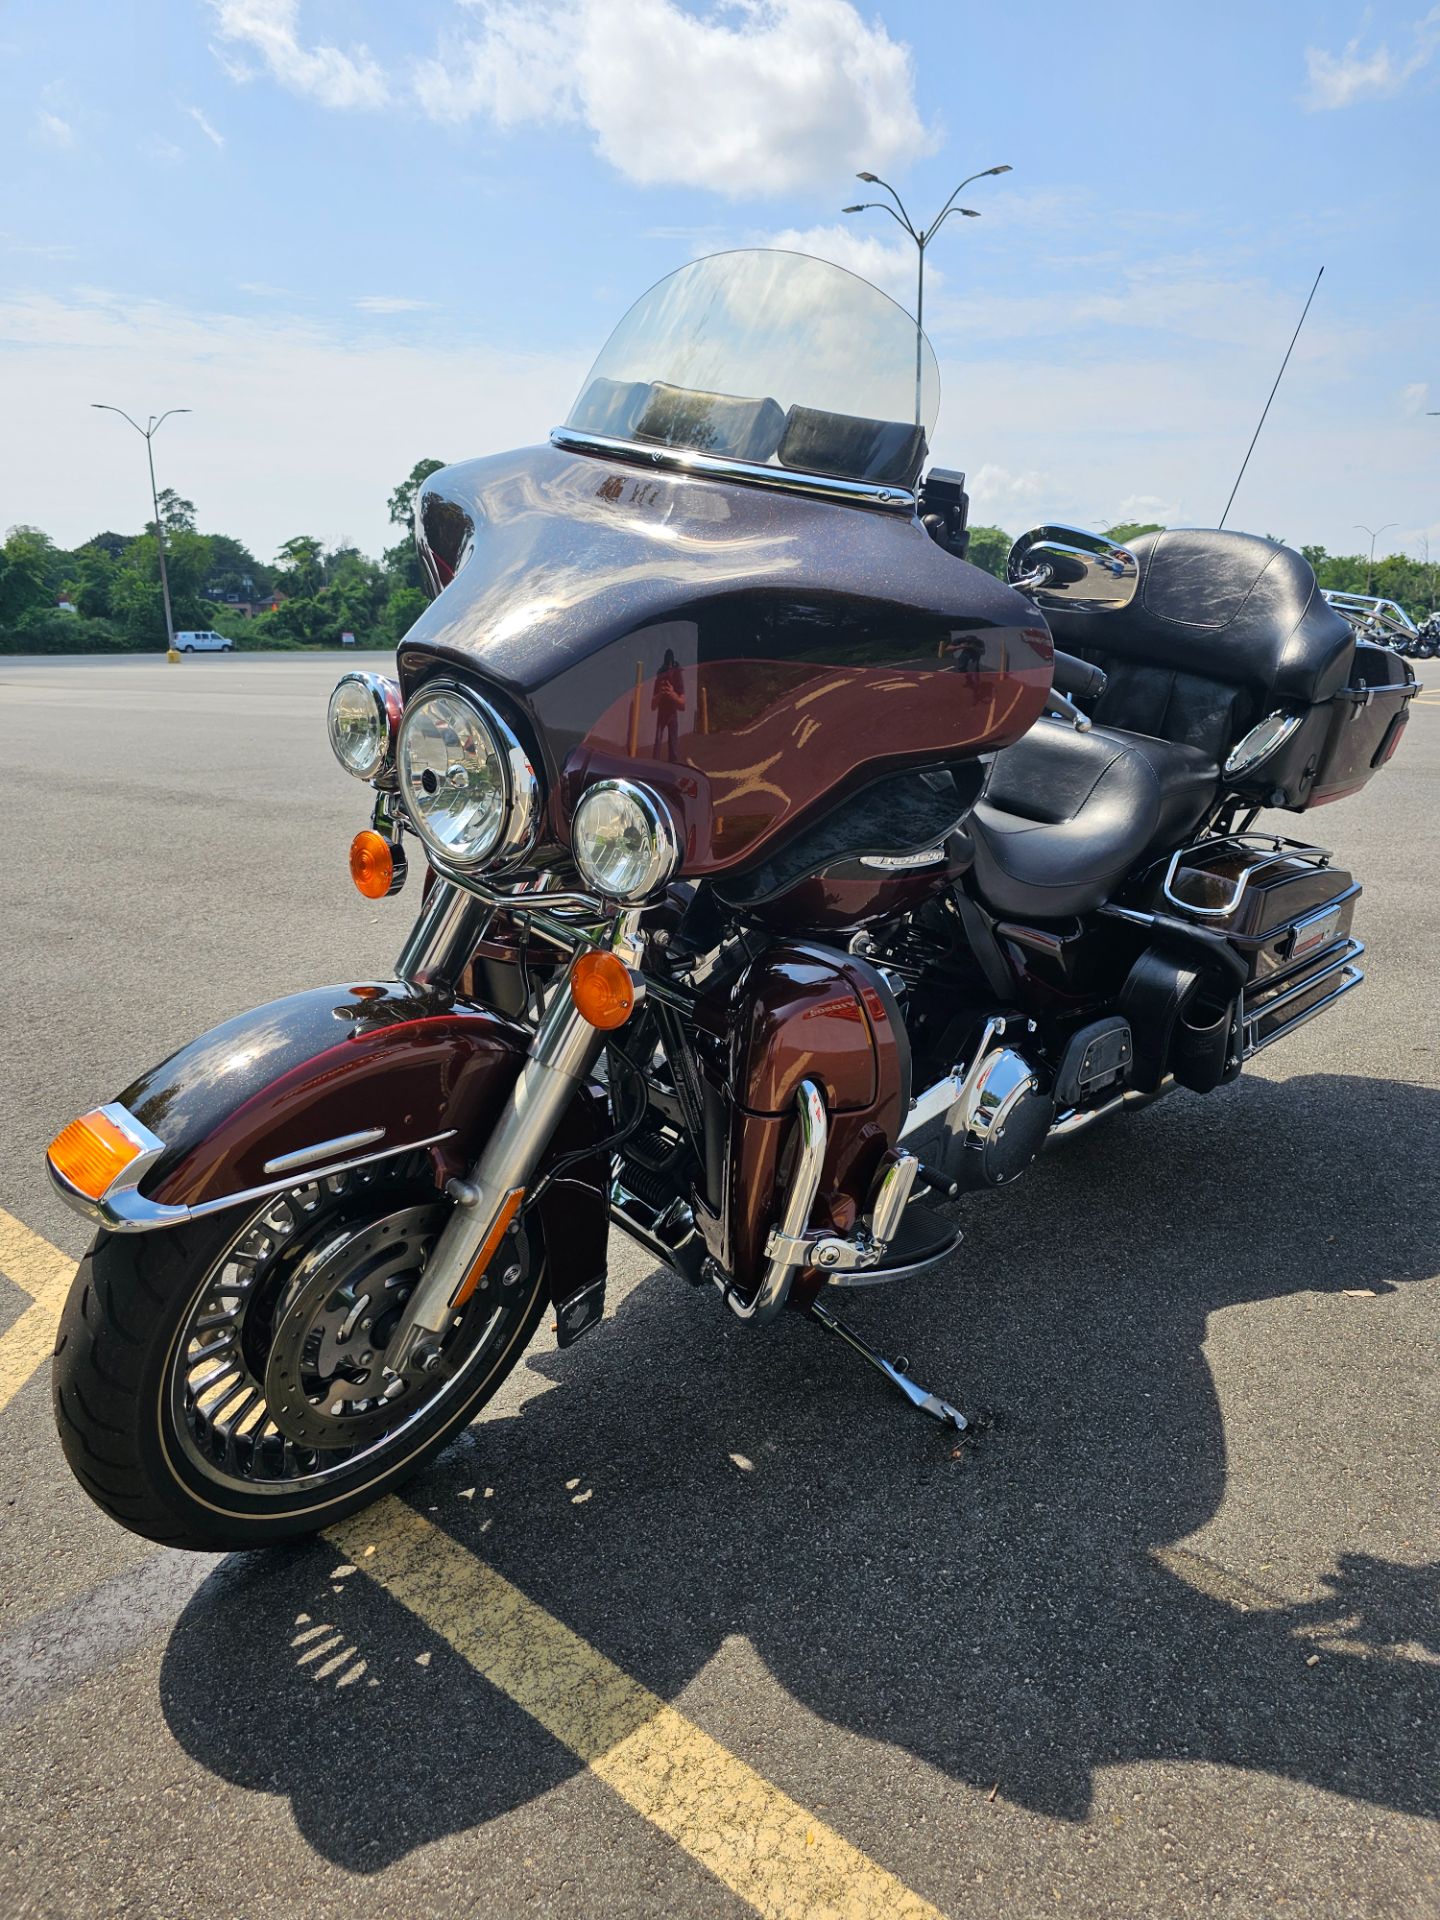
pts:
[1068, 567]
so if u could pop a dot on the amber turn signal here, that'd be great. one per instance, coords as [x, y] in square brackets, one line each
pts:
[376, 866]
[603, 992]
[91, 1153]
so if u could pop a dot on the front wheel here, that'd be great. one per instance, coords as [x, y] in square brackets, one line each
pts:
[222, 1385]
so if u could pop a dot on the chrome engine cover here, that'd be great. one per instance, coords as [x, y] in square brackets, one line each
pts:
[1000, 1125]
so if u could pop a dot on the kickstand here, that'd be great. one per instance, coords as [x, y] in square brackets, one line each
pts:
[893, 1370]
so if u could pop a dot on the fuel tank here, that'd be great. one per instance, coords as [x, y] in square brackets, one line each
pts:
[754, 655]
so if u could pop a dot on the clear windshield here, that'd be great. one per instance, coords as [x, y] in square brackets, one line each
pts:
[770, 358]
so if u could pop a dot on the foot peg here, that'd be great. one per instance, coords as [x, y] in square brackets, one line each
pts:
[894, 1372]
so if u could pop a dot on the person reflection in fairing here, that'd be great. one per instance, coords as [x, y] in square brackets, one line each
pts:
[667, 702]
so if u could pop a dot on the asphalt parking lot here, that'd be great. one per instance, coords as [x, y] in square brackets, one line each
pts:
[696, 1620]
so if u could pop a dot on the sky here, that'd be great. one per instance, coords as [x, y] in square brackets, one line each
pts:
[348, 235]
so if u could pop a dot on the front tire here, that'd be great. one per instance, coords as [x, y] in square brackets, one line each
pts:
[216, 1385]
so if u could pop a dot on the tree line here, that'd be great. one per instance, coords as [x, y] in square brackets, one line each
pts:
[113, 583]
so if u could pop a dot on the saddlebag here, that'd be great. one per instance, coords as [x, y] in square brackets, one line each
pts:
[1284, 910]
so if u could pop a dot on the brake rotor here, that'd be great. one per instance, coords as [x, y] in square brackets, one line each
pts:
[325, 1375]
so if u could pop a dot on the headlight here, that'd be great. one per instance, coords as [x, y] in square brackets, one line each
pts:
[363, 720]
[468, 784]
[624, 840]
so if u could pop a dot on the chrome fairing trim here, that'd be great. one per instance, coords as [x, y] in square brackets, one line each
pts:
[124, 1209]
[709, 466]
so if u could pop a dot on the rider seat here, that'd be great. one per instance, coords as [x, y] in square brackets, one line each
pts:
[1066, 815]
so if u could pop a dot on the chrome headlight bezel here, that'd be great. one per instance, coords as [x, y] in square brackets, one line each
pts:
[386, 708]
[521, 798]
[665, 850]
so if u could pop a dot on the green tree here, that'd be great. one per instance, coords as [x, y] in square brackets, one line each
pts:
[28, 560]
[91, 580]
[1132, 530]
[300, 566]
[990, 548]
[234, 569]
[176, 515]
[402, 500]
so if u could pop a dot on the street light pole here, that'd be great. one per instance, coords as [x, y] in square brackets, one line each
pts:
[1374, 536]
[147, 434]
[922, 236]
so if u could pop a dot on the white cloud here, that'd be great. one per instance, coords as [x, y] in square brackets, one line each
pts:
[215, 139]
[1144, 508]
[1414, 398]
[271, 29]
[754, 98]
[887, 264]
[390, 303]
[165, 152]
[1000, 498]
[53, 130]
[1340, 79]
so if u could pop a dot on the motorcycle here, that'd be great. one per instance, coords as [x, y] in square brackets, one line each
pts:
[787, 879]
[1385, 622]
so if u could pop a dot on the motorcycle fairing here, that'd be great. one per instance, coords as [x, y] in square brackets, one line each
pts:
[753, 655]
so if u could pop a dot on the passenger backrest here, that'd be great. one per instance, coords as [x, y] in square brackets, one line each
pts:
[1222, 626]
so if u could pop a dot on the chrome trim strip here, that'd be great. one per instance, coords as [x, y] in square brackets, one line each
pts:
[124, 1209]
[302, 1156]
[709, 466]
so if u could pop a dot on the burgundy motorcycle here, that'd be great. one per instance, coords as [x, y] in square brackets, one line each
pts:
[784, 883]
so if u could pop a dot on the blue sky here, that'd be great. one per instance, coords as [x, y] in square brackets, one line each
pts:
[349, 235]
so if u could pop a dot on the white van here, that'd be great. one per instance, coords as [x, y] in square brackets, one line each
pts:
[204, 641]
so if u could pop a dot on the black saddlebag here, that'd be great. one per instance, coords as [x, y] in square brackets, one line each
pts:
[1285, 910]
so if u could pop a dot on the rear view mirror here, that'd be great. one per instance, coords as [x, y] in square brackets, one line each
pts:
[1067, 567]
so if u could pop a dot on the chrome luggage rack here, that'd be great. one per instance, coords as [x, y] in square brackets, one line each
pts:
[1279, 849]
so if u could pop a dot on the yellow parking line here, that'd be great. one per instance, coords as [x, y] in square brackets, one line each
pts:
[45, 1274]
[755, 1839]
[763, 1845]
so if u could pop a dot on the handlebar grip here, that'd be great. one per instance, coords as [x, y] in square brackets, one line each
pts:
[1077, 677]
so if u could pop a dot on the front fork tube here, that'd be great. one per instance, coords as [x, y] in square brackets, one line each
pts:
[561, 1055]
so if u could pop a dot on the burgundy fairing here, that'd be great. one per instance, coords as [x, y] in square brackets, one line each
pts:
[751, 654]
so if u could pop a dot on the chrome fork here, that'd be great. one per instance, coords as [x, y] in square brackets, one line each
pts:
[563, 1051]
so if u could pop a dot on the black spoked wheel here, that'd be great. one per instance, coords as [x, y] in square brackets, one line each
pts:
[225, 1384]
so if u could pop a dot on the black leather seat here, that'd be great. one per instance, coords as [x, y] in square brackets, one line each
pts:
[1189, 783]
[1064, 817]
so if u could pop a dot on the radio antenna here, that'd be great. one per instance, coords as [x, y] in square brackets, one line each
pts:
[1273, 391]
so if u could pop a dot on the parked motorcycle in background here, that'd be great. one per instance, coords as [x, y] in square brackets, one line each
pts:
[787, 879]
[1385, 623]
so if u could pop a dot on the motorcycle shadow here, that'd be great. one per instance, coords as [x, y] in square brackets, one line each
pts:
[1016, 1612]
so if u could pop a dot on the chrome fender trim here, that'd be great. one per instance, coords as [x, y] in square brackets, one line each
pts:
[122, 1208]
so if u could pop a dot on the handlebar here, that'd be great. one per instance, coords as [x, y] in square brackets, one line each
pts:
[1077, 677]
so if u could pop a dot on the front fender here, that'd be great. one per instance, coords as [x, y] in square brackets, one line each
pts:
[333, 1078]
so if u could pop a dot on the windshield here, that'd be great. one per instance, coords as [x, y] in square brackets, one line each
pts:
[773, 359]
